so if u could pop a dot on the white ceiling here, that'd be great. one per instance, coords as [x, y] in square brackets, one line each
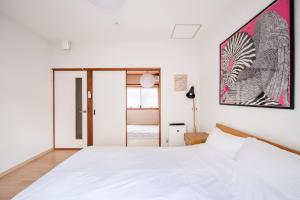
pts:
[122, 20]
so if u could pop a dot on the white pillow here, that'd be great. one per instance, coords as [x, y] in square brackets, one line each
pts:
[227, 143]
[278, 167]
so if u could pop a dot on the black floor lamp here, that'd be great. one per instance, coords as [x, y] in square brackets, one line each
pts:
[191, 95]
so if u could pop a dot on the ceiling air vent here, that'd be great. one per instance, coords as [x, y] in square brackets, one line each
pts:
[185, 31]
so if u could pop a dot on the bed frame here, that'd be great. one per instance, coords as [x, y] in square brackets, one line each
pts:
[243, 134]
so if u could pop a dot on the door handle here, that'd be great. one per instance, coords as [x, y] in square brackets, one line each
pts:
[94, 112]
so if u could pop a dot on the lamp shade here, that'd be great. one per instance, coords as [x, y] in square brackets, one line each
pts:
[147, 80]
[191, 93]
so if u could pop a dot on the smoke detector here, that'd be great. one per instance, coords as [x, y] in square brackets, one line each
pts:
[66, 45]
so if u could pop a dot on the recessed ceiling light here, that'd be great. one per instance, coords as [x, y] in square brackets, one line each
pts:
[185, 31]
[108, 4]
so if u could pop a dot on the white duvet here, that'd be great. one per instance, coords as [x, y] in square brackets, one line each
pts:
[177, 173]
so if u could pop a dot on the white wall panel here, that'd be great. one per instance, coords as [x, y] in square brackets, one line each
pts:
[65, 110]
[25, 91]
[278, 125]
[174, 57]
[110, 105]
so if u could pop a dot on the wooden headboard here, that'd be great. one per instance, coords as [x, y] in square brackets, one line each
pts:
[242, 134]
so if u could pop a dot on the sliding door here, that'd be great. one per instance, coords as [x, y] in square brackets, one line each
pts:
[109, 99]
[70, 109]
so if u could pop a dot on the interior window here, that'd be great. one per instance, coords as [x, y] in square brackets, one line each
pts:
[149, 97]
[133, 98]
[138, 97]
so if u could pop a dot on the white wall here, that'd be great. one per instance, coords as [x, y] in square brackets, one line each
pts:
[25, 83]
[173, 57]
[143, 117]
[25, 89]
[278, 125]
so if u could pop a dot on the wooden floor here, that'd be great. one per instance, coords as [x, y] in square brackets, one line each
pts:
[16, 181]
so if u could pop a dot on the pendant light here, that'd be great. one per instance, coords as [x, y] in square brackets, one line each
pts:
[147, 80]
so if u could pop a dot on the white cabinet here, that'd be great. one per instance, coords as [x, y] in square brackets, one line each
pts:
[176, 134]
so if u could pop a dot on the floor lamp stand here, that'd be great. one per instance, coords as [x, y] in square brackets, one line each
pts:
[194, 117]
[191, 95]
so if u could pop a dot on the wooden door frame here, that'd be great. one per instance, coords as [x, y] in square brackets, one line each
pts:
[90, 108]
[90, 103]
[159, 106]
[159, 97]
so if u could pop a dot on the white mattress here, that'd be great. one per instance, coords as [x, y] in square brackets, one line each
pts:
[176, 173]
[142, 131]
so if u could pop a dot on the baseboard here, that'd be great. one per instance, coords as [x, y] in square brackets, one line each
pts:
[25, 162]
[67, 148]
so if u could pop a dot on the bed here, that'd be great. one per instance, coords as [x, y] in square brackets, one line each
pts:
[142, 135]
[135, 173]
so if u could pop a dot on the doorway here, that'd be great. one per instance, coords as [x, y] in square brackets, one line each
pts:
[93, 106]
[143, 107]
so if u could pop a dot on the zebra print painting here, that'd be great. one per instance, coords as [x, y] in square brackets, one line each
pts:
[238, 54]
[256, 64]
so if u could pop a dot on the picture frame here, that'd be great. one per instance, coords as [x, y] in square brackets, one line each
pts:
[257, 61]
[180, 82]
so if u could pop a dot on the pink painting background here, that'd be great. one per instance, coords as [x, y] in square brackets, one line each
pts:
[281, 7]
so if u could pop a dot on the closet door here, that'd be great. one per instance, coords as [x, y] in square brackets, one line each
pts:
[110, 108]
[70, 109]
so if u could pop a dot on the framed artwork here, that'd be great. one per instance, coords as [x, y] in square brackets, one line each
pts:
[257, 61]
[180, 82]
